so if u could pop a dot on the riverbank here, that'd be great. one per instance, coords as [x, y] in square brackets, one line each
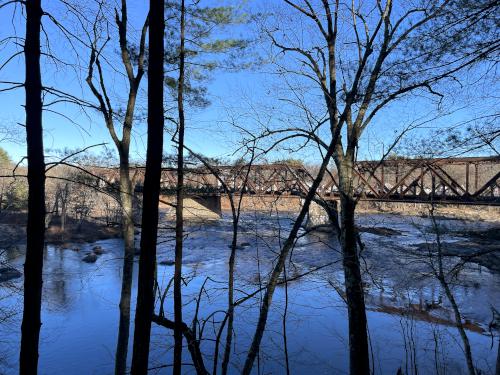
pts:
[293, 203]
[13, 230]
[444, 211]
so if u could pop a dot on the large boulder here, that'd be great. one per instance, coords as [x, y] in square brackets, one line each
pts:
[9, 273]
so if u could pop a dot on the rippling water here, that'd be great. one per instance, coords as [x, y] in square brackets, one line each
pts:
[80, 314]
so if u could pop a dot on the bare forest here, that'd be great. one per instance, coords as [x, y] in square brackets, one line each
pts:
[249, 187]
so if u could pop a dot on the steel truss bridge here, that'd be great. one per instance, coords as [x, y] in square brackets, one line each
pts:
[472, 180]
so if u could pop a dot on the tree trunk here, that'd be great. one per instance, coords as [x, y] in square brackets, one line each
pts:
[179, 220]
[497, 370]
[230, 296]
[64, 204]
[126, 192]
[123, 146]
[30, 329]
[278, 268]
[151, 193]
[458, 317]
[460, 327]
[359, 363]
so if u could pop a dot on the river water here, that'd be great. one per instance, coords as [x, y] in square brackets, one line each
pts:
[80, 314]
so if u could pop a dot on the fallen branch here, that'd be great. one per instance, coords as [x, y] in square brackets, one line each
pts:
[193, 344]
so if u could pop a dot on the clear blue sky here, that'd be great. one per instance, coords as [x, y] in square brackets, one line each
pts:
[247, 97]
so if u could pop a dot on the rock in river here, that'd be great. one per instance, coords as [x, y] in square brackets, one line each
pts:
[98, 250]
[9, 273]
[380, 231]
[167, 263]
[240, 246]
[90, 258]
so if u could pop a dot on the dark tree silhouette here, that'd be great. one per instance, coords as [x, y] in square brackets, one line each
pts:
[33, 265]
[179, 220]
[147, 261]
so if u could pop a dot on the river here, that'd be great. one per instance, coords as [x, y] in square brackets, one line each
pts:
[80, 314]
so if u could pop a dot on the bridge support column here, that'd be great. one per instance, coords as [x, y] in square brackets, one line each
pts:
[316, 216]
[199, 207]
[210, 203]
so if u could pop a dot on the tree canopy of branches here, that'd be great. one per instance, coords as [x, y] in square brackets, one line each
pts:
[97, 33]
[359, 58]
[206, 47]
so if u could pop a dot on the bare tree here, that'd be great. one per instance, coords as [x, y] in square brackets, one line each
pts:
[96, 80]
[147, 261]
[179, 220]
[28, 360]
[386, 53]
[440, 274]
[235, 202]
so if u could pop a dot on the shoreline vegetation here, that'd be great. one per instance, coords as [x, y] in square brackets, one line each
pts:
[91, 229]
[13, 230]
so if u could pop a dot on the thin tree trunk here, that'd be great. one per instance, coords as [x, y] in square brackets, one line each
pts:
[64, 203]
[460, 327]
[497, 370]
[458, 318]
[179, 220]
[359, 362]
[278, 268]
[358, 338]
[123, 147]
[30, 329]
[230, 296]
[126, 192]
[151, 193]
[285, 339]
[235, 211]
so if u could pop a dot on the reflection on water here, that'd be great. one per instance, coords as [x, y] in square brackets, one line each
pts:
[80, 314]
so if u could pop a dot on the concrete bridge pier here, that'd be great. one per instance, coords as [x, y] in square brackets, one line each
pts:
[204, 206]
[196, 207]
[318, 214]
